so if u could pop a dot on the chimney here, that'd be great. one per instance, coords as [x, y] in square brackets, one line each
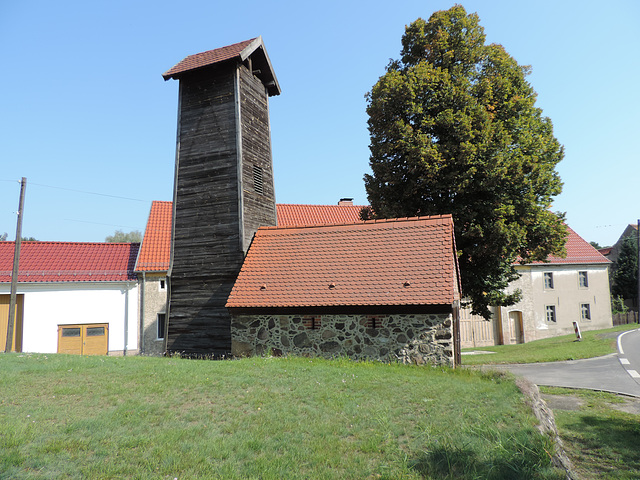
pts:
[346, 202]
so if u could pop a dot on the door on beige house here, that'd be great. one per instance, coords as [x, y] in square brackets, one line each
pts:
[88, 339]
[16, 345]
[516, 332]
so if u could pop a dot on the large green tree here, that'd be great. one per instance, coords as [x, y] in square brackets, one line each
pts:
[625, 276]
[454, 129]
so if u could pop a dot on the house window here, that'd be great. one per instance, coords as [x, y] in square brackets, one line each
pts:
[585, 312]
[161, 324]
[548, 280]
[162, 285]
[258, 185]
[551, 313]
[583, 280]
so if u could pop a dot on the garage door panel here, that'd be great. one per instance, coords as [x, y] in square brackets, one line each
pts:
[95, 340]
[88, 339]
[16, 345]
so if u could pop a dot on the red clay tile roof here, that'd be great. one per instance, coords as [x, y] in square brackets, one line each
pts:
[69, 262]
[578, 251]
[207, 58]
[290, 215]
[386, 262]
[155, 251]
[240, 51]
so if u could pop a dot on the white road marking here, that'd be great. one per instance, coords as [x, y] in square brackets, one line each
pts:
[620, 342]
[633, 373]
[624, 361]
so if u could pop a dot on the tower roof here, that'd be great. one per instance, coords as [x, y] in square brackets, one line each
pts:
[241, 51]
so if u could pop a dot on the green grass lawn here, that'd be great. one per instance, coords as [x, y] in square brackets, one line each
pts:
[601, 440]
[594, 344]
[269, 418]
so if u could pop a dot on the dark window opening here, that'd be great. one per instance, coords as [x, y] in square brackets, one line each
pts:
[71, 332]
[95, 332]
[161, 325]
[312, 323]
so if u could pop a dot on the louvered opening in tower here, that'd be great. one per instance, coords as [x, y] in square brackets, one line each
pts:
[258, 185]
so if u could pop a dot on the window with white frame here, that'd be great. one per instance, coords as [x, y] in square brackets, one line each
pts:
[551, 313]
[161, 318]
[548, 280]
[583, 279]
[585, 311]
[162, 284]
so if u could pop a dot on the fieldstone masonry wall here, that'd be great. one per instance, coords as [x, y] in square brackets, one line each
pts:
[407, 338]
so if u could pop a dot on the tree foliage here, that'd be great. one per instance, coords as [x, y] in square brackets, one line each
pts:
[121, 237]
[3, 238]
[454, 129]
[625, 277]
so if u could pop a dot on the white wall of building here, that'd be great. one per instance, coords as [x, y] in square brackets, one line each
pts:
[48, 305]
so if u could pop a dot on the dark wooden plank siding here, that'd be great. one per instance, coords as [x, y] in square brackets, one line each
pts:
[207, 252]
[210, 233]
[259, 208]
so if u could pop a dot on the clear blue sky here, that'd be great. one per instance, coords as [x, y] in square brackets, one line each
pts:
[84, 109]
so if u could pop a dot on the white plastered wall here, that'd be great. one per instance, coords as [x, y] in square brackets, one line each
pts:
[48, 305]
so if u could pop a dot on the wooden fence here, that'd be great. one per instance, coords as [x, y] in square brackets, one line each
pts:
[625, 318]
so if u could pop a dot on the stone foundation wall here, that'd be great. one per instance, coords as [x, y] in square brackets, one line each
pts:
[416, 338]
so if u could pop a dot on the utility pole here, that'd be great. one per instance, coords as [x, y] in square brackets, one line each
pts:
[14, 272]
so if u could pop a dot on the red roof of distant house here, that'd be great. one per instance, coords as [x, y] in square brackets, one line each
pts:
[69, 262]
[385, 262]
[578, 251]
[155, 251]
[290, 215]
[605, 251]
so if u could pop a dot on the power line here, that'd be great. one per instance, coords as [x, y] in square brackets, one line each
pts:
[90, 193]
[98, 223]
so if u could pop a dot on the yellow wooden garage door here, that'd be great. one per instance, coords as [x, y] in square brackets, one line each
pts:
[16, 345]
[89, 339]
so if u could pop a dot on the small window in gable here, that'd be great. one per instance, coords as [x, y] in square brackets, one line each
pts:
[258, 185]
[583, 280]
[548, 280]
[162, 285]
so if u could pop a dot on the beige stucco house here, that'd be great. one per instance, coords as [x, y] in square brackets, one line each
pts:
[555, 294]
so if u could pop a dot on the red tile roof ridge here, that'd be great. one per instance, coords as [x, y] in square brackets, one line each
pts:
[56, 242]
[426, 218]
[318, 205]
[210, 57]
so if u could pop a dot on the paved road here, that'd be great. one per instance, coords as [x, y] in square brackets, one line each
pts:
[618, 372]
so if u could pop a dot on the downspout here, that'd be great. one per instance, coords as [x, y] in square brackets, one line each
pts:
[126, 319]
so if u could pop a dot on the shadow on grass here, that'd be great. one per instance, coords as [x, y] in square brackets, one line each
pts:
[449, 462]
[609, 442]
